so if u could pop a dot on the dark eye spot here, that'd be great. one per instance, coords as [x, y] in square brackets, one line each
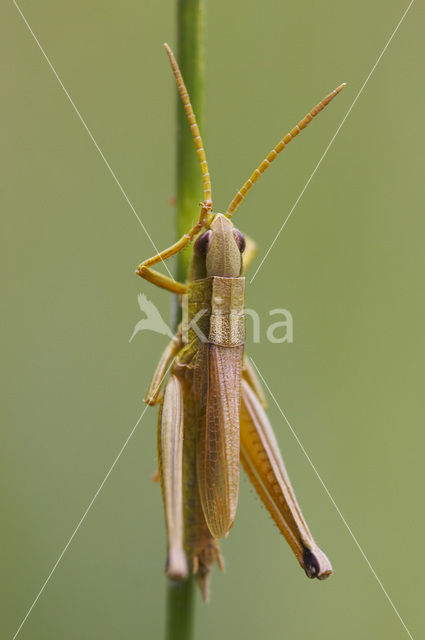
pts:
[202, 243]
[240, 240]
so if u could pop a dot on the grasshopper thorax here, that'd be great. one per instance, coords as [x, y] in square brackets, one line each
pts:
[218, 250]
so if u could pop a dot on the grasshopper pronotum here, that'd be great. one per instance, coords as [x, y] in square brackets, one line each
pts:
[212, 410]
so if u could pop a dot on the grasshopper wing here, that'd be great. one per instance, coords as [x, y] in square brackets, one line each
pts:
[217, 381]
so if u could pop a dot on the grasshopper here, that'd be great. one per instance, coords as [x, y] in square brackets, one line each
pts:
[212, 411]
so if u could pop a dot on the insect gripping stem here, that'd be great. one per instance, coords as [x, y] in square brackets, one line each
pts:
[193, 124]
[278, 148]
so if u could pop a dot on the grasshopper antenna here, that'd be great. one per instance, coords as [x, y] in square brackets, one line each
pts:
[206, 181]
[278, 148]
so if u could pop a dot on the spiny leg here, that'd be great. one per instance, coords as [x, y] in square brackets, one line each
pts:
[262, 461]
[170, 455]
[278, 148]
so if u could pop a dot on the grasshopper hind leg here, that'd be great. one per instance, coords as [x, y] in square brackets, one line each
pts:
[263, 463]
[170, 455]
[251, 377]
[153, 395]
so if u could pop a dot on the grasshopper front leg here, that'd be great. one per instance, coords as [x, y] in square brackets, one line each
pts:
[262, 461]
[144, 270]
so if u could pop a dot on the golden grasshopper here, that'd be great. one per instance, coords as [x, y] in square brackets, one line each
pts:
[212, 411]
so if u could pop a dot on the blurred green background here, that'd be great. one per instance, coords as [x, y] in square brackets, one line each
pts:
[349, 266]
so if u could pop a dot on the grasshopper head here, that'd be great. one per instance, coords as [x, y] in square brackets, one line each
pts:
[218, 251]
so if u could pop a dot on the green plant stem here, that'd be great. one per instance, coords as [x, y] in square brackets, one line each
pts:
[180, 597]
[190, 56]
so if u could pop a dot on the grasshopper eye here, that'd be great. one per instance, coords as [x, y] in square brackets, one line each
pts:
[202, 243]
[240, 240]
